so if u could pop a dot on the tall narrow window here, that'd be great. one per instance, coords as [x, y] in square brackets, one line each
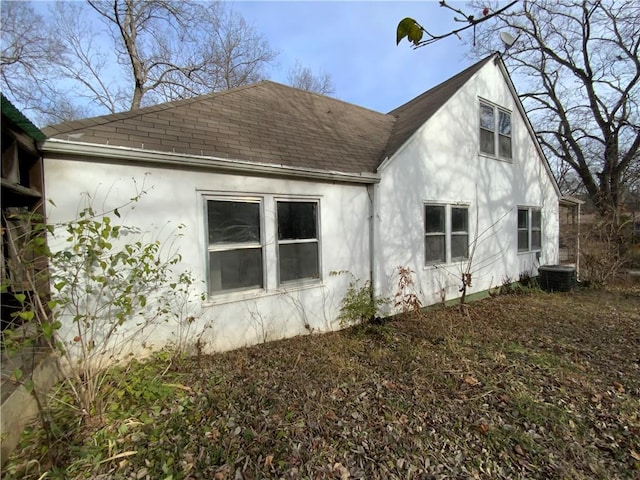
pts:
[504, 134]
[536, 229]
[523, 229]
[298, 255]
[435, 234]
[459, 233]
[487, 129]
[235, 245]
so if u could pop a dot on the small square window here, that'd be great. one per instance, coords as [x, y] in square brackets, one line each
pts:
[446, 230]
[529, 229]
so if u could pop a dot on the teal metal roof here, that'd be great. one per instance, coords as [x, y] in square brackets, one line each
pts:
[14, 115]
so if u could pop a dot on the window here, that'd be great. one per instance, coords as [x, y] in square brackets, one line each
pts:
[529, 229]
[435, 235]
[446, 233]
[495, 131]
[459, 233]
[536, 229]
[298, 256]
[235, 245]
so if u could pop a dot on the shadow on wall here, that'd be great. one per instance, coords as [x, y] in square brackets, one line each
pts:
[441, 164]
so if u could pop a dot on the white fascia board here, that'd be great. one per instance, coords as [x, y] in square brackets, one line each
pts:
[505, 73]
[60, 148]
[568, 200]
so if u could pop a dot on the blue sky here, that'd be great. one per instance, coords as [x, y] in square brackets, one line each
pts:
[354, 42]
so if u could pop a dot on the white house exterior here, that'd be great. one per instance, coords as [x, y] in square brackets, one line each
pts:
[441, 169]
[277, 188]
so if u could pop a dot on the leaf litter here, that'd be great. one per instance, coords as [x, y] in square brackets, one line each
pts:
[531, 386]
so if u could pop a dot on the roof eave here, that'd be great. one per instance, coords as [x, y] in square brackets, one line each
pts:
[500, 63]
[60, 148]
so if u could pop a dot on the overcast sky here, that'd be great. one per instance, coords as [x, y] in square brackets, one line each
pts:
[355, 43]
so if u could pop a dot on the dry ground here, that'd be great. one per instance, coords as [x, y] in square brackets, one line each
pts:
[536, 386]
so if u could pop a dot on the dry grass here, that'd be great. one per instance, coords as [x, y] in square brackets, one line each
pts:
[525, 386]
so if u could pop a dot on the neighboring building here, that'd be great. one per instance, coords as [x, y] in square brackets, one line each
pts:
[22, 194]
[278, 187]
[570, 220]
[22, 197]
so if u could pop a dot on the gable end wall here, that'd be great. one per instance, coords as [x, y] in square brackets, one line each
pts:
[441, 164]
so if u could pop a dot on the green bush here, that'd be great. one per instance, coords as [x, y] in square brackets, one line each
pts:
[359, 304]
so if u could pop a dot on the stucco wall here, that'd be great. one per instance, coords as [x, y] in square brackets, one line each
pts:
[176, 196]
[442, 164]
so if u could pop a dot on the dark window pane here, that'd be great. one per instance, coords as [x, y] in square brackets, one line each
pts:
[487, 120]
[297, 220]
[459, 220]
[523, 240]
[234, 269]
[435, 249]
[504, 144]
[536, 219]
[536, 237]
[434, 219]
[233, 222]
[487, 142]
[298, 261]
[504, 123]
[459, 247]
[523, 218]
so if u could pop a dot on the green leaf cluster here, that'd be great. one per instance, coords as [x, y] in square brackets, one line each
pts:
[410, 29]
[359, 305]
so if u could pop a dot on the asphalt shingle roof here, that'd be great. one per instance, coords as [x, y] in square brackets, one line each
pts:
[270, 123]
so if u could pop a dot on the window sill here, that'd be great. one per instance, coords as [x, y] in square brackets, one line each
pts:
[442, 265]
[257, 294]
[299, 285]
[231, 297]
[528, 252]
[494, 157]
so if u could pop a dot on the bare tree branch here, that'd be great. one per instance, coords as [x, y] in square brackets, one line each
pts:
[67, 63]
[577, 68]
[303, 78]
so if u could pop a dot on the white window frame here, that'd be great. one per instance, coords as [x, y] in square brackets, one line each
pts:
[212, 248]
[316, 240]
[495, 131]
[448, 232]
[458, 233]
[438, 234]
[530, 229]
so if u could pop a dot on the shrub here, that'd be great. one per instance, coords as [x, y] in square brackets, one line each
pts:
[359, 305]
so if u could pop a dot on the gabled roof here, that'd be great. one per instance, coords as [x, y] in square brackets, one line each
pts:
[269, 123]
[413, 114]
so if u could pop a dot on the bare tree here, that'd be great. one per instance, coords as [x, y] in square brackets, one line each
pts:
[25, 52]
[149, 52]
[577, 67]
[304, 78]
